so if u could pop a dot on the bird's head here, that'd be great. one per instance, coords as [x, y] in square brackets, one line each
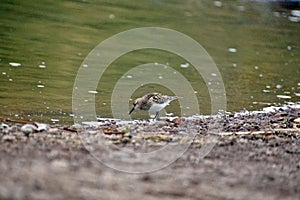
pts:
[136, 104]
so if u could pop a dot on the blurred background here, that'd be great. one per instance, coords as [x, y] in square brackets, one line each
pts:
[255, 44]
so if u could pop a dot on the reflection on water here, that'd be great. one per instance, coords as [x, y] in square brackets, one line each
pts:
[255, 45]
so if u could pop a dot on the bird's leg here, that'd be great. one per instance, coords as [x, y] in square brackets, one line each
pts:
[156, 116]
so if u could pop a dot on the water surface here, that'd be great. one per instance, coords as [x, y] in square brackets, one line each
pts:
[255, 45]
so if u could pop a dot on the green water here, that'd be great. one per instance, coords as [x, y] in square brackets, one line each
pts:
[60, 34]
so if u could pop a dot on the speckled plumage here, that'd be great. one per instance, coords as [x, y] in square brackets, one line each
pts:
[152, 102]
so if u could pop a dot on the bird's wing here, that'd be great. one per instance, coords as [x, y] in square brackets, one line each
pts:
[159, 98]
[149, 95]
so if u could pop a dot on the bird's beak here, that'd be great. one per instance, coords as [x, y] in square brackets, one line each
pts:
[132, 109]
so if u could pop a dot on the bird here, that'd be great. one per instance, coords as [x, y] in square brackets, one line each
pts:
[153, 103]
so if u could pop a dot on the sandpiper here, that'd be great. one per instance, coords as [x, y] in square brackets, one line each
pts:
[153, 103]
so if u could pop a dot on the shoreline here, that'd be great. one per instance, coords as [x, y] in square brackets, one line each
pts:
[255, 155]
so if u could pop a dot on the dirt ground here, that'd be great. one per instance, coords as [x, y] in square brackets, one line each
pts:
[54, 164]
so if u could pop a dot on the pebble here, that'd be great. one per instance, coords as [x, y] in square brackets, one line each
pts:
[53, 131]
[294, 19]
[297, 120]
[296, 13]
[59, 164]
[159, 138]
[93, 132]
[171, 129]
[41, 127]
[160, 124]
[178, 121]
[8, 138]
[296, 123]
[218, 3]
[4, 128]
[28, 128]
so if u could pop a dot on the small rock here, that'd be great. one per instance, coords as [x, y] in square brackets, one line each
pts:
[28, 128]
[8, 138]
[4, 128]
[218, 3]
[160, 124]
[125, 140]
[18, 134]
[297, 120]
[130, 135]
[178, 121]
[14, 128]
[112, 136]
[41, 127]
[296, 123]
[54, 131]
[159, 137]
[93, 132]
[59, 163]
[113, 130]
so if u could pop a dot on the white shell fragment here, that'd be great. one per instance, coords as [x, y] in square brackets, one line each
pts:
[232, 50]
[283, 96]
[218, 3]
[54, 120]
[92, 92]
[15, 64]
[42, 66]
[184, 65]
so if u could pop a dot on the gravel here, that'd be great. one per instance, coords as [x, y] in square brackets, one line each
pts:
[246, 155]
